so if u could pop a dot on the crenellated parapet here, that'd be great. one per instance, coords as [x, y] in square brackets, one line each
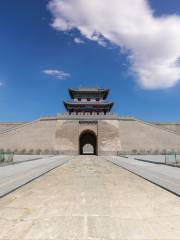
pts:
[79, 116]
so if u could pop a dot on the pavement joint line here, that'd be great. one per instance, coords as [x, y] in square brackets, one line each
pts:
[131, 171]
[24, 174]
[168, 181]
[33, 170]
[34, 178]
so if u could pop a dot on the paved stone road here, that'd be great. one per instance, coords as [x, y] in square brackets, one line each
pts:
[16, 175]
[163, 175]
[89, 198]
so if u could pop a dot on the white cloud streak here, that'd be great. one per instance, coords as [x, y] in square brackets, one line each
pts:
[59, 74]
[78, 40]
[153, 43]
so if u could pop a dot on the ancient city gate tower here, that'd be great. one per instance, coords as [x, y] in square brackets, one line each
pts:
[83, 130]
[89, 127]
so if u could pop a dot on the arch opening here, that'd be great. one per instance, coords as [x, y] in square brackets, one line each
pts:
[88, 143]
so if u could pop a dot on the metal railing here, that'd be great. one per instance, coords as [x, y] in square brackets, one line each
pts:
[166, 158]
[172, 158]
[6, 156]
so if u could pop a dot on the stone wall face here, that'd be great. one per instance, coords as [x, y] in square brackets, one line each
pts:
[9, 125]
[139, 135]
[68, 133]
[109, 142]
[35, 135]
[67, 137]
[91, 126]
[170, 126]
[113, 136]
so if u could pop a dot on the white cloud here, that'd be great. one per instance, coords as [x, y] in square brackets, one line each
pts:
[153, 43]
[57, 73]
[78, 40]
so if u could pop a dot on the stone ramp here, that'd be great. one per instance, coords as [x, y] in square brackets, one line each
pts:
[89, 198]
[35, 135]
[165, 176]
[16, 175]
[137, 135]
[4, 126]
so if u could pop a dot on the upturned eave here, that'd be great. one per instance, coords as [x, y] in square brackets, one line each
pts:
[78, 92]
[73, 105]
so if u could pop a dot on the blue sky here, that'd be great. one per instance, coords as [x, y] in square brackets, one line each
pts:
[29, 45]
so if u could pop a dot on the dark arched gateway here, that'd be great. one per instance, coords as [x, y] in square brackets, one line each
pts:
[88, 143]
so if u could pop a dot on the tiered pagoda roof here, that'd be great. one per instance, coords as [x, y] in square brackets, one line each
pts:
[88, 92]
[88, 100]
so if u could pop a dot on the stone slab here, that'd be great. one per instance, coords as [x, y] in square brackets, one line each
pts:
[167, 177]
[16, 175]
[90, 198]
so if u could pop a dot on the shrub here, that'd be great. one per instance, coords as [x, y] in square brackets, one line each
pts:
[172, 151]
[164, 151]
[178, 151]
[8, 150]
[149, 151]
[134, 151]
[38, 151]
[142, 151]
[156, 151]
[46, 151]
[120, 153]
[31, 151]
[57, 152]
[1, 150]
[15, 151]
[23, 151]
[52, 151]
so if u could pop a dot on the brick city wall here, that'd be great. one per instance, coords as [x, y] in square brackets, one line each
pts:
[113, 135]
